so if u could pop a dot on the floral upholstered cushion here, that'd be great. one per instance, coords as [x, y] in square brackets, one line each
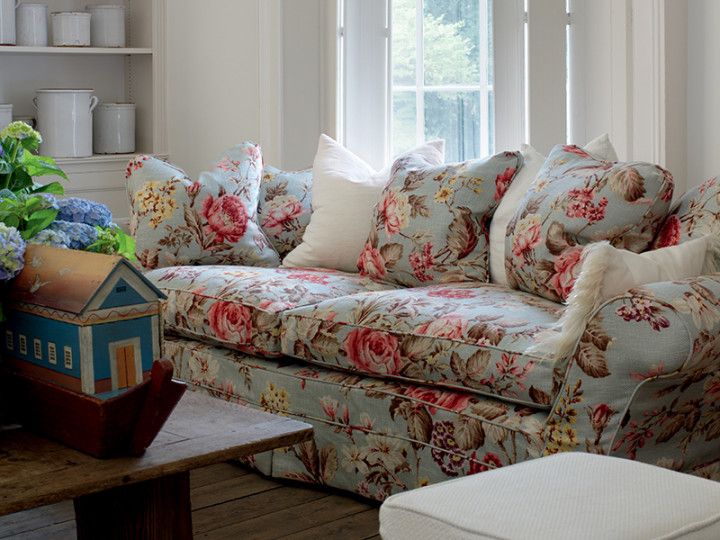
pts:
[240, 307]
[285, 206]
[696, 214]
[577, 199]
[431, 222]
[370, 436]
[467, 336]
[212, 220]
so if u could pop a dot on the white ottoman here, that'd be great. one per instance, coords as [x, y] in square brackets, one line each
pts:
[573, 496]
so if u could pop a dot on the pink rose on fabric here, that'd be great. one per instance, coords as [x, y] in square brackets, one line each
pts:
[447, 326]
[600, 416]
[453, 401]
[372, 351]
[503, 181]
[282, 210]
[311, 277]
[581, 205]
[567, 268]
[451, 293]
[371, 262]
[193, 189]
[670, 233]
[489, 461]
[422, 262]
[527, 235]
[572, 149]
[226, 217]
[231, 322]
[393, 212]
[707, 184]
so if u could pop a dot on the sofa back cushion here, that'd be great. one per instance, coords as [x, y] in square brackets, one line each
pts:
[578, 199]
[212, 220]
[285, 206]
[696, 214]
[431, 222]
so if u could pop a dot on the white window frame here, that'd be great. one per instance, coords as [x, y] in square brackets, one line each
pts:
[52, 353]
[421, 88]
[37, 349]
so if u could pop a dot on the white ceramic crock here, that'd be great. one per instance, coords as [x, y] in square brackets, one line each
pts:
[114, 128]
[32, 25]
[5, 114]
[107, 26]
[71, 29]
[64, 118]
[7, 21]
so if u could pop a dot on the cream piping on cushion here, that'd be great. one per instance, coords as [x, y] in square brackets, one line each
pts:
[608, 272]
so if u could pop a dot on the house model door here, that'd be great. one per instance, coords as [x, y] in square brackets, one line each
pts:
[125, 366]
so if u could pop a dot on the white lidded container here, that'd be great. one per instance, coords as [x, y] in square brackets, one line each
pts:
[107, 26]
[7, 21]
[32, 25]
[5, 114]
[71, 29]
[64, 117]
[114, 128]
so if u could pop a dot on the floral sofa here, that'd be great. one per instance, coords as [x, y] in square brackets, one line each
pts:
[407, 386]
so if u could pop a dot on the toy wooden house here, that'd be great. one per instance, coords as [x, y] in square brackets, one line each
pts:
[85, 321]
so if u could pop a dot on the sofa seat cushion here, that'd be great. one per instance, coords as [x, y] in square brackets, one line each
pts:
[370, 436]
[463, 336]
[239, 306]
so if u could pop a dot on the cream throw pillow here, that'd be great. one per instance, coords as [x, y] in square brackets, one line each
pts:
[608, 272]
[600, 147]
[345, 191]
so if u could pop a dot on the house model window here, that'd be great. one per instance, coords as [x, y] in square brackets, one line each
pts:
[52, 353]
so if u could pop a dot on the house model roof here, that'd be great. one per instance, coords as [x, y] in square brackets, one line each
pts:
[69, 280]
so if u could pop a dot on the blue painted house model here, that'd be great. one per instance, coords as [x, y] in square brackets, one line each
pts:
[86, 321]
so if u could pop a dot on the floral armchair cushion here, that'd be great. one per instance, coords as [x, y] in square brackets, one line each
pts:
[284, 207]
[577, 199]
[696, 214]
[431, 223]
[212, 220]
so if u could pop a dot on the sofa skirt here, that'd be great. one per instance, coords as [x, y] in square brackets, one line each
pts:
[371, 436]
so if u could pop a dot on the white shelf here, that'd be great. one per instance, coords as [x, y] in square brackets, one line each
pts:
[10, 49]
[103, 158]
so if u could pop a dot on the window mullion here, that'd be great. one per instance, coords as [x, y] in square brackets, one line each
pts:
[419, 73]
[483, 70]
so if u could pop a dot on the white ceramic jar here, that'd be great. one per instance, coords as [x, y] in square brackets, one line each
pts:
[5, 114]
[7, 21]
[32, 25]
[71, 29]
[64, 118]
[114, 128]
[107, 26]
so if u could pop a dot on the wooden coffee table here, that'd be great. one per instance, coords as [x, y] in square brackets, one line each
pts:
[145, 497]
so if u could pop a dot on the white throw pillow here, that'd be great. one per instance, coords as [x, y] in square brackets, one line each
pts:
[600, 147]
[345, 191]
[608, 272]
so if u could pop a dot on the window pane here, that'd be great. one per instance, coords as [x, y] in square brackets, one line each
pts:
[403, 42]
[452, 38]
[403, 122]
[455, 117]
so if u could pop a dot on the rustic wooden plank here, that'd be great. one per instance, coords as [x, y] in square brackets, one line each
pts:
[215, 473]
[227, 490]
[59, 531]
[37, 518]
[295, 518]
[238, 510]
[201, 431]
[355, 527]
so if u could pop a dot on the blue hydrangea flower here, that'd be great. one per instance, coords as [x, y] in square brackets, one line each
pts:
[12, 252]
[50, 201]
[80, 235]
[50, 237]
[79, 210]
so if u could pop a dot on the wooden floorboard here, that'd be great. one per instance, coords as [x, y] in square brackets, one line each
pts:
[230, 501]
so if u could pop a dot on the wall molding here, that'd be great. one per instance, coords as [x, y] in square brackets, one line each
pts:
[270, 80]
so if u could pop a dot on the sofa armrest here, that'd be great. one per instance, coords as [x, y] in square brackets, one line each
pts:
[645, 377]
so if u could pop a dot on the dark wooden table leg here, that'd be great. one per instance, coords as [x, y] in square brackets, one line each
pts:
[155, 510]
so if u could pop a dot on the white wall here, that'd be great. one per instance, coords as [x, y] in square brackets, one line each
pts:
[703, 90]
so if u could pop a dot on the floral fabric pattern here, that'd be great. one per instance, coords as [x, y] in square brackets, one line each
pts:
[466, 337]
[576, 200]
[645, 381]
[285, 207]
[212, 220]
[240, 307]
[431, 223]
[696, 214]
[372, 437]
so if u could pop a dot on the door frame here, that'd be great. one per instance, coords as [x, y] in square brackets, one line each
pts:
[112, 349]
